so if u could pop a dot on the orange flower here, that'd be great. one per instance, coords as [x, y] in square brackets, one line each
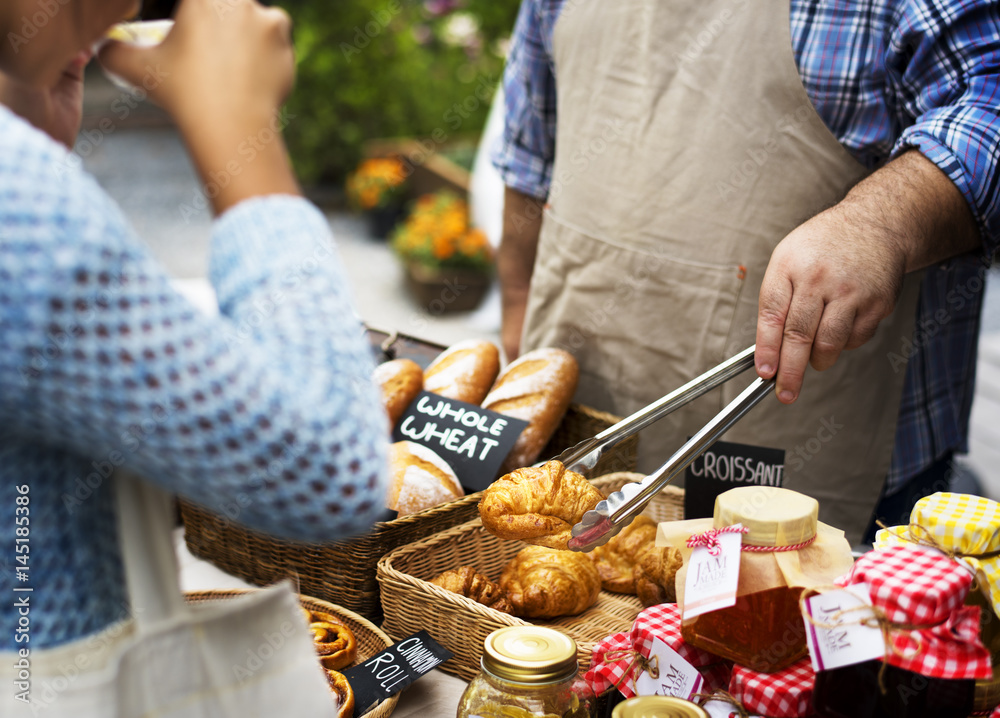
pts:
[437, 234]
[375, 181]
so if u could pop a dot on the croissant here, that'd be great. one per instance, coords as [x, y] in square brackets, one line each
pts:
[537, 505]
[340, 687]
[542, 582]
[654, 575]
[616, 560]
[465, 580]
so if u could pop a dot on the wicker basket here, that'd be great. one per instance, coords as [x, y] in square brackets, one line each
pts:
[343, 572]
[370, 639]
[410, 602]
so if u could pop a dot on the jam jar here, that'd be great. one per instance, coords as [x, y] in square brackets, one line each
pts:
[935, 656]
[658, 707]
[784, 546]
[853, 692]
[528, 672]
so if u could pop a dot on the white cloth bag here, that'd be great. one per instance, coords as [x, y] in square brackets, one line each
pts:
[241, 658]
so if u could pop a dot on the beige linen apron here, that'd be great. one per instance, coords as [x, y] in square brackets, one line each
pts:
[687, 149]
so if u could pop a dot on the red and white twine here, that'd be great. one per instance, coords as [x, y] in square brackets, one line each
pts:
[710, 540]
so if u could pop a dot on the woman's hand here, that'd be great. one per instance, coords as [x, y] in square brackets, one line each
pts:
[56, 111]
[222, 73]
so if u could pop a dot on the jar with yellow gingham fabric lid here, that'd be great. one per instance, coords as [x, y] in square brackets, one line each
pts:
[968, 529]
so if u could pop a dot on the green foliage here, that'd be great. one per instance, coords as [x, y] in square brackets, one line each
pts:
[372, 69]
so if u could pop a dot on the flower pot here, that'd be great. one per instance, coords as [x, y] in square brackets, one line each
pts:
[446, 290]
[383, 220]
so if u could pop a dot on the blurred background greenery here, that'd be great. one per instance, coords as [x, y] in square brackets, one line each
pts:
[372, 69]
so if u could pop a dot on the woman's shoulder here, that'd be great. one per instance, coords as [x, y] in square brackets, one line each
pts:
[28, 152]
[44, 190]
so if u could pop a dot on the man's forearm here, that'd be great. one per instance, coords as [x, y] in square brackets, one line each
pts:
[910, 201]
[522, 222]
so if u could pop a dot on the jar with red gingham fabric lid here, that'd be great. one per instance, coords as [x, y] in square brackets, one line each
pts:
[784, 694]
[933, 652]
[967, 528]
[619, 660]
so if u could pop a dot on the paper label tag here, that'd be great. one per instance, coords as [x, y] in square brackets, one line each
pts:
[848, 643]
[712, 580]
[392, 670]
[675, 676]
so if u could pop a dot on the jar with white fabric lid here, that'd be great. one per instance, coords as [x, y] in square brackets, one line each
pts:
[784, 548]
[528, 672]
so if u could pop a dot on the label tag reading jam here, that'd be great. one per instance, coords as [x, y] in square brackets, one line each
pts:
[392, 670]
[675, 676]
[725, 466]
[849, 641]
[712, 581]
[474, 441]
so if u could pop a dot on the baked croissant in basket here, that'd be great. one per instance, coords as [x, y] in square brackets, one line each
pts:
[654, 575]
[465, 580]
[537, 505]
[542, 582]
[616, 560]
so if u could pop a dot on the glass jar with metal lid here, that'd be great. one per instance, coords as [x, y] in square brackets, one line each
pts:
[658, 707]
[527, 672]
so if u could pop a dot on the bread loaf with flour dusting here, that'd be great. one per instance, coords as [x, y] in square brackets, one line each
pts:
[420, 479]
[399, 381]
[464, 371]
[538, 388]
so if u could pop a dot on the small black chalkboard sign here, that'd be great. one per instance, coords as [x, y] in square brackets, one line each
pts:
[725, 466]
[473, 440]
[392, 670]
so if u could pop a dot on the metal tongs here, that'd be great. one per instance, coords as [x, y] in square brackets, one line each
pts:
[617, 511]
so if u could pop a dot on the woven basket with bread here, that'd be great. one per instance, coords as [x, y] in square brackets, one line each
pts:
[425, 494]
[586, 597]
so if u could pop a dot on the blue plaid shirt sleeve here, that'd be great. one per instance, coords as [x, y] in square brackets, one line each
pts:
[525, 152]
[943, 62]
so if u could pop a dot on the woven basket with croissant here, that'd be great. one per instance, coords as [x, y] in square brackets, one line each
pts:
[411, 602]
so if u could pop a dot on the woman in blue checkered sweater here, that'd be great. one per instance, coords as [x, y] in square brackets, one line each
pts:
[265, 414]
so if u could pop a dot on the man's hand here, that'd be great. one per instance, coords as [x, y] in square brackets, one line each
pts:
[522, 222]
[833, 279]
[56, 111]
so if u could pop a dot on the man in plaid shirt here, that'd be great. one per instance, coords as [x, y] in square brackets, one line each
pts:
[910, 89]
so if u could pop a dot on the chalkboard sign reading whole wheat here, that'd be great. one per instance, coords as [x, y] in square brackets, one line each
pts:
[473, 440]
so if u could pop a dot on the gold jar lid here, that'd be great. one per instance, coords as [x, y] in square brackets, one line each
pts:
[530, 654]
[775, 517]
[658, 707]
